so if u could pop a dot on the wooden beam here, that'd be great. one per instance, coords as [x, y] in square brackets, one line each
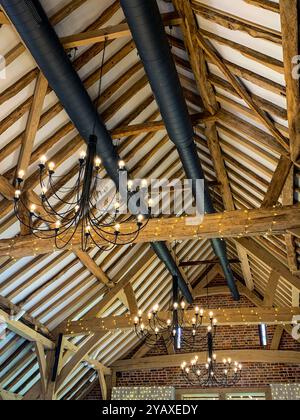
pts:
[6, 189]
[271, 289]
[289, 13]
[277, 337]
[242, 91]
[33, 123]
[267, 258]
[41, 357]
[265, 4]
[83, 351]
[131, 299]
[246, 269]
[234, 224]
[243, 356]
[278, 182]
[154, 126]
[110, 33]
[233, 22]
[3, 19]
[237, 316]
[103, 385]
[26, 332]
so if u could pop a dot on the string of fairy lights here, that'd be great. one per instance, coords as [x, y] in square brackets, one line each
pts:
[159, 230]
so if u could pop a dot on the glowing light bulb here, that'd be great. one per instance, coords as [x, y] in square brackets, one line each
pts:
[77, 208]
[226, 372]
[121, 165]
[140, 314]
[21, 174]
[142, 327]
[82, 155]
[32, 208]
[149, 316]
[136, 320]
[58, 225]
[155, 308]
[182, 304]
[17, 194]
[197, 310]
[207, 366]
[229, 360]
[98, 163]
[117, 227]
[194, 321]
[215, 357]
[198, 372]
[150, 203]
[169, 322]
[211, 315]
[43, 160]
[176, 305]
[156, 331]
[224, 361]
[215, 322]
[140, 219]
[187, 370]
[209, 328]
[117, 205]
[130, 185]
[51, 166]
[88, 230]
[201, 312]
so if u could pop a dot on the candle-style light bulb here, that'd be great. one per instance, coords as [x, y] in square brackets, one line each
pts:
[21, 175]
[51, 167]
[97, 163]
[121, 165]
[17, 194]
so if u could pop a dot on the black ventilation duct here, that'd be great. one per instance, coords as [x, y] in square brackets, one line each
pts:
[41, 40]
[148, 32]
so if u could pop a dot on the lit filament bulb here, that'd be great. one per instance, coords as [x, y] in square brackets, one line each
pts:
[57, 225]
[21, 175]
[140, 219]
[136, 320]
[32, 208]
[51, 167]
[121, 165]
[43, 160]
[82, 155]
[97, 163]
[182, 305]
[211, 315]
[88, 230]
[17, 194]
[117, 228]
[130, 185]
[176, 306]
[201, 312]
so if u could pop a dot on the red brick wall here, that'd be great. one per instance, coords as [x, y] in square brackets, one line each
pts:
[227, 338]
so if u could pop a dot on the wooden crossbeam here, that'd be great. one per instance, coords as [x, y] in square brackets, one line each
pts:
[289, 12]
[267, 258]
[82, 352]
[243, 356]
[232, 22]
[6, 189]
[237, 316]
[41, 356]
[109, 33]
[278, 182]
[154, 126]
[26, 332]
[242, 91]
[271, 288]
[220, 225]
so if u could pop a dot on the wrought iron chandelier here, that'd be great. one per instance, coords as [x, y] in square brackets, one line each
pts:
[182, 328]
[214, 374]
[86, 211]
